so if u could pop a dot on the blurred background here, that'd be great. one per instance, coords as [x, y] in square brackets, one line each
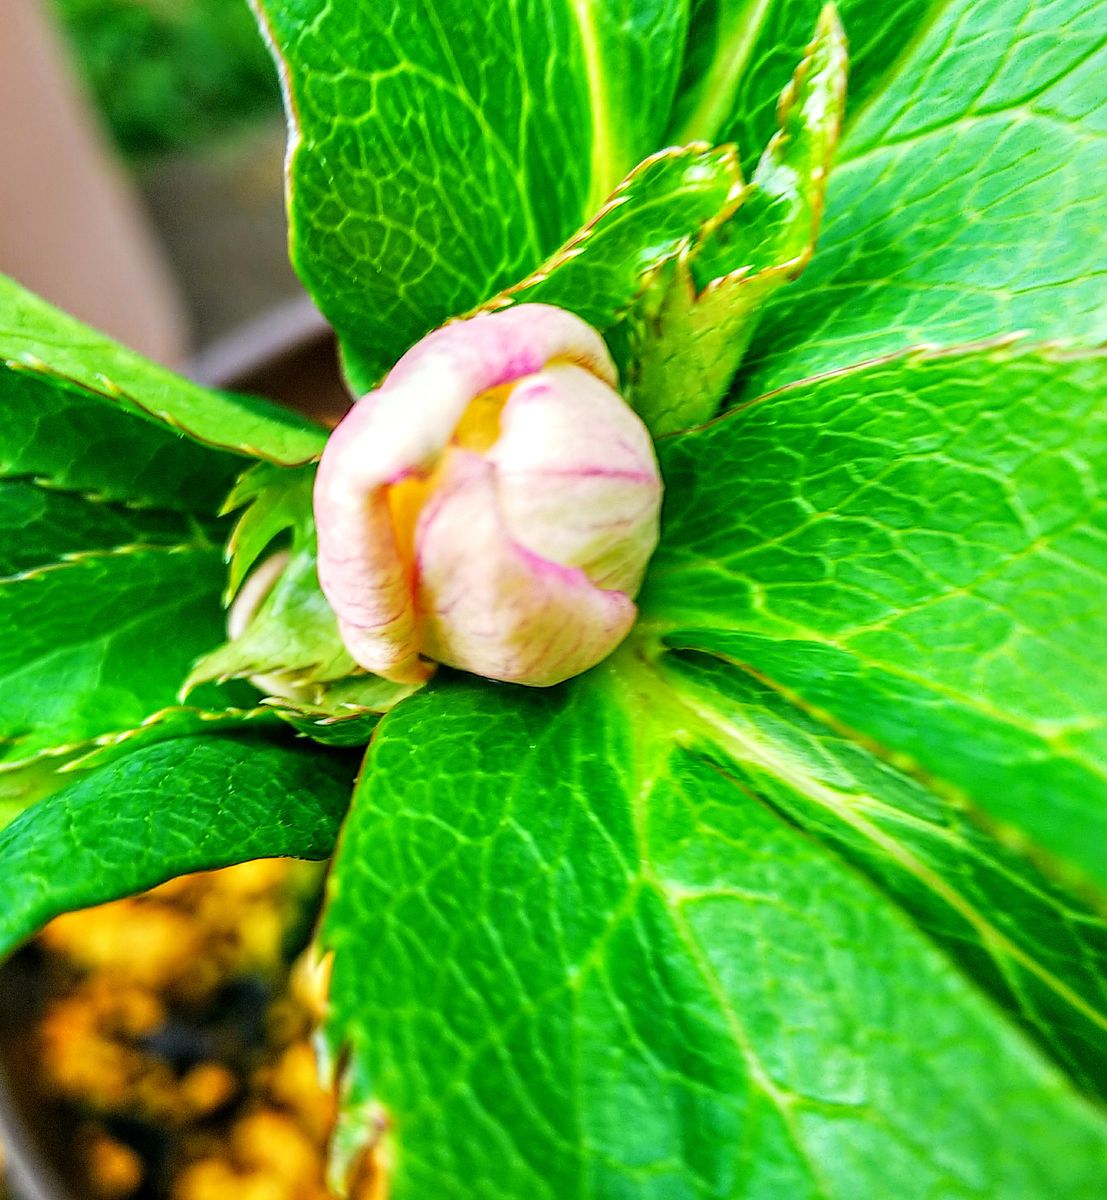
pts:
[143, 144]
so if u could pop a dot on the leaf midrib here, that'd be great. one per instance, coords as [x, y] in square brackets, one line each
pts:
[605, 172]
[748, 749]
[719, 86]
[1052, 737]
[650, 759]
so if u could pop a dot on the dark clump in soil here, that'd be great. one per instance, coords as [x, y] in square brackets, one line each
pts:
[169, 1055]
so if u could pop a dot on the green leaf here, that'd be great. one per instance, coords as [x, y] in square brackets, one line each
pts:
[966, 200]
[290, 648]
[277, 502]
[649, 218]
[177, 721]
[40, 526]
[715, 56]
[67, 439]
[94, 645]
[59, 351]
[778, 222]
[921, 566]
[183, 805]
[441, 152]
[55, 767]
[291, 652]
[694, 322]
[294, 632]
[21, 788]
[348, 714]
[583, 956]
[107, 602]
[1036, 950]
[740, 54]
[11, 805]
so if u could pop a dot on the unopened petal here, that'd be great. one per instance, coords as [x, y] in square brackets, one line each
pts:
[366, 580]
[484, 352]
[361, 570]
[493, 607]
[401, 429]
[577, 477]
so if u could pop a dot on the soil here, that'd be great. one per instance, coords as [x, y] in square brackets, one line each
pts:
[170, 1053]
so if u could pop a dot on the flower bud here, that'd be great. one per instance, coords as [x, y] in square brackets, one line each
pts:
[492, 506]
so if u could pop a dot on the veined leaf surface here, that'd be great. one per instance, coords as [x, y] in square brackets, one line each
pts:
[58, 349]
[697, 315]
[442, 151]
[39, 525]
[95, 645]
[1038, 952]
[966, 199]
[601, 964]
[63, 437]
[923, 566]
[741, 53]
[652, 215]
[165, 810]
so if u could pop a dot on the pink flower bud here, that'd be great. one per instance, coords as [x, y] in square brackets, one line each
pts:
[492, 506]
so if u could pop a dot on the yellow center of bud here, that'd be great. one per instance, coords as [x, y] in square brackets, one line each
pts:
[478, 431]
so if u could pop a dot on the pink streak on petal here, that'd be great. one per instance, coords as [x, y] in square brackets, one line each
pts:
[577, 477]
[361, 571]
[402, 428]
[496, 348]
[493, 607]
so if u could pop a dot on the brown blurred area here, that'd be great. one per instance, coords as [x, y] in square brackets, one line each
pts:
[71, 226]
[167, 256]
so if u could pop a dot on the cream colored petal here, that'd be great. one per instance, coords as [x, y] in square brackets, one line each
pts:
[400, 429]
[361, 570]
[368, 586]
[493, 607]
[470, 357]
[577, 477]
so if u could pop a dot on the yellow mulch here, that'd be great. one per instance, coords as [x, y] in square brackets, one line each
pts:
[176, 1040]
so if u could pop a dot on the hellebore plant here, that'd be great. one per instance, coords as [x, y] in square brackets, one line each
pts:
[492, 506]
[789, 877]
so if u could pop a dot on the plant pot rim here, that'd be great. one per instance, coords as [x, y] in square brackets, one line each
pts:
[27, 1171]
[260, 344]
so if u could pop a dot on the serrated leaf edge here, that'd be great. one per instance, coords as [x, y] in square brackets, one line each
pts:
[80, 558]
[116, 395]
[91, 746]
[578, 242]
